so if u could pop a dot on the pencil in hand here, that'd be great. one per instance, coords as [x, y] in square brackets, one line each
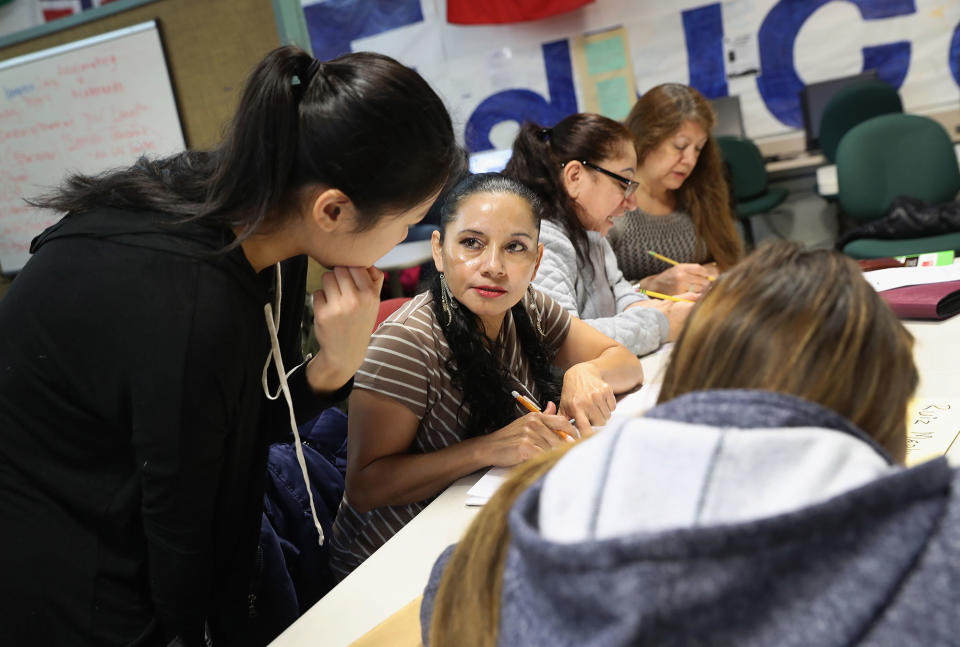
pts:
[658, 295]
[530, 406]
[672, 262]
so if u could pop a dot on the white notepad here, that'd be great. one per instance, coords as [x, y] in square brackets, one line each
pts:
[483, 489]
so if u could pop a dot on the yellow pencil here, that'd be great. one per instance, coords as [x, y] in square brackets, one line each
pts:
[530, 406]
[657, 295]
[671, 261]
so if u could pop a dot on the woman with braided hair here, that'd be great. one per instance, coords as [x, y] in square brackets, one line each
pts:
[432, 401]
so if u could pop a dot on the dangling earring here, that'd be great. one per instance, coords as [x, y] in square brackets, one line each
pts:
[446, 299]
[536, 310]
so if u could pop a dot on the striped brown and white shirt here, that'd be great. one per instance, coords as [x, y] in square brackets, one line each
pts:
[406, 361]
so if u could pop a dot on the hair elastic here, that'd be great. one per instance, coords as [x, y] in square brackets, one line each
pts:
[545, 133]
[301, 81]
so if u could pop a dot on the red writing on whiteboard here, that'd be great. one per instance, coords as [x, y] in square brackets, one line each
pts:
[67, 69]
[9, 113]
[143, 147]
[42, 127]
[30, 158]
[98, 90]
[76, 143]
[119, 114]
[37, 101]
[14, 133]
[129, 132]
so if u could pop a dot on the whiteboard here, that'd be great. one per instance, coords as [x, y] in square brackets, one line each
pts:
[84, 107]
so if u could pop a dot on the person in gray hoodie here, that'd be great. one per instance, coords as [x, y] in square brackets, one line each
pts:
[763, 501]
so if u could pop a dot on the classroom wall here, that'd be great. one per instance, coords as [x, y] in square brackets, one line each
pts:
[211, 46]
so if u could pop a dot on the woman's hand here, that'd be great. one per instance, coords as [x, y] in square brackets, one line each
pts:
[685, 277]
[677, 313]
[525, 437]
[344, 312]
[586, 397]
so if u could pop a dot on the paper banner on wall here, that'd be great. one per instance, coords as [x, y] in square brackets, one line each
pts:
[932, 427]
[603, 69]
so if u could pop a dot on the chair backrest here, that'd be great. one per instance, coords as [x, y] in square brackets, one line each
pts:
[748, 173]
[853, 105]
[893, 155]
[387, 308]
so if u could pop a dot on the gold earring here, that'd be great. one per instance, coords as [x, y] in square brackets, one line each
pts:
[446, 299]
[536, 310]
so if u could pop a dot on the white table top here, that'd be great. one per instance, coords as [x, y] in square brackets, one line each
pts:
[398, 572]
[404, 255]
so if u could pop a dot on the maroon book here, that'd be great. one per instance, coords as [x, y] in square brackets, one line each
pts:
[930, 301]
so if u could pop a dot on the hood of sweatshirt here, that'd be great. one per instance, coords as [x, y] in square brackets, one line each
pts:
[722, 517]
[159, 232]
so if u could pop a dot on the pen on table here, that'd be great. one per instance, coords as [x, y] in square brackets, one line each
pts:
[657, 295]
[530, 406]
[672, 262]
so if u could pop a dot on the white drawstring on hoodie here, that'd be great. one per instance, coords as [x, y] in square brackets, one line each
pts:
[273, 323]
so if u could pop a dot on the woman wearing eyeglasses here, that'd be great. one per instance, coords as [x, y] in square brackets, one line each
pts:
[583, 169]
[682, 208]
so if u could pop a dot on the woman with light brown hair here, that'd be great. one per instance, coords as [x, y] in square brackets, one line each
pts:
[761, 502]
[683, 201]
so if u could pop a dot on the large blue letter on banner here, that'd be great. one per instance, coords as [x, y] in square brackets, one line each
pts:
[954, 55]
[779, 83]
[525, 105]
[703, 28]
[334, 24]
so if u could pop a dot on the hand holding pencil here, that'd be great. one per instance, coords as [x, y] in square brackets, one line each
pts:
[679, 277]
[525, 437]
[532, 407]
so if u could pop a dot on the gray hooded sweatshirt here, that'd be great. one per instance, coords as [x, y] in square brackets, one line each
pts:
[732, 518]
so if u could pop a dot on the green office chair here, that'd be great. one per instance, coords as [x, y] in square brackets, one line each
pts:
[853, 105]
[889, 156]
[751, 191]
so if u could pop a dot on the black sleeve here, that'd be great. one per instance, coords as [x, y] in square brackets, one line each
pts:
[188, 413]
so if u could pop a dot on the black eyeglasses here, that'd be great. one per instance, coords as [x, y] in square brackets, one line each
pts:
[629, 186]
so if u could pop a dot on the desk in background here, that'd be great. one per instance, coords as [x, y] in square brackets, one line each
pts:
[398, 572]
[401, 257]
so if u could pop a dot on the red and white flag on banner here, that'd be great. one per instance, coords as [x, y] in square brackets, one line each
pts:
[491, 12]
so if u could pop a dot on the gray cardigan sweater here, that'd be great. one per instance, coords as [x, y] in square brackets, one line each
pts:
[732, 518]
[599, 294]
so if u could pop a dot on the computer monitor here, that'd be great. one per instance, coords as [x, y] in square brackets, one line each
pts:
[729, 118]
[492, 161]
[815, 97]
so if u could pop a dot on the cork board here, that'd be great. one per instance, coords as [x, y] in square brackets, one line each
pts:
[211, 46]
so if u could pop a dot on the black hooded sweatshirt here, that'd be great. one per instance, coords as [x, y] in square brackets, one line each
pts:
[134, 431]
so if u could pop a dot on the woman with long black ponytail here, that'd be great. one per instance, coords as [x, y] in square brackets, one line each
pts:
[433, 399]
[137, 396]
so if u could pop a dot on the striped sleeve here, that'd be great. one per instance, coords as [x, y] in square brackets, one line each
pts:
[397, 365]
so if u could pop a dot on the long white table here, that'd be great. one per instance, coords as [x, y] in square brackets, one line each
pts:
[398, 572]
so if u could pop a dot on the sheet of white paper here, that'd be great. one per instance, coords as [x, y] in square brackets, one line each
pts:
[933, 425]
[483, 489]
[898, 277]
